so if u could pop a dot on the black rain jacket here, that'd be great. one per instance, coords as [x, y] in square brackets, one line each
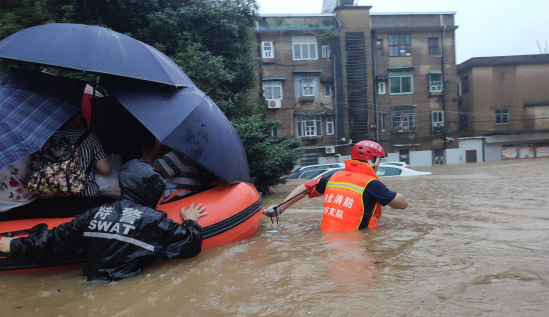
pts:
[119, 238]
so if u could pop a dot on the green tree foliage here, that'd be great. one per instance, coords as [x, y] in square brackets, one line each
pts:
[269, 157]
[209, 39]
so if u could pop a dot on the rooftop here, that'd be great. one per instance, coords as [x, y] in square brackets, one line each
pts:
[414, 13]
[503, 61]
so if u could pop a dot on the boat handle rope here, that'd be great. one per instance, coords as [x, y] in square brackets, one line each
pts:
[287, 200]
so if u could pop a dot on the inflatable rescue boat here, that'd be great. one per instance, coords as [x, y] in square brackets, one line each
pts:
[234, 213]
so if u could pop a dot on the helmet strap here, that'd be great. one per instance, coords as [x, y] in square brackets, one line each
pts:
[374, 161]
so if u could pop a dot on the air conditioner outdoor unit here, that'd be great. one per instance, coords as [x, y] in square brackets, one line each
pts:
[330, 149]
[274, 104]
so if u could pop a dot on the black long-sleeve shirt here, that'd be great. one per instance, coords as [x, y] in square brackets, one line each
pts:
[117, 240]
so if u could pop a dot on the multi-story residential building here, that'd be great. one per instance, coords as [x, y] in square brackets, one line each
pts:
[297, 81]
[504, 107]
[416, 86]
[346, 75]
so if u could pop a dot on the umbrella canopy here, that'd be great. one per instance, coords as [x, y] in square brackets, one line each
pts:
[189, 121]
[94, 49]
[32, 107]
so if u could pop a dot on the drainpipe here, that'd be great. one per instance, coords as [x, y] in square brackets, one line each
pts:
[443, 85]
[258, 38]
[374, 73]
[335, 99]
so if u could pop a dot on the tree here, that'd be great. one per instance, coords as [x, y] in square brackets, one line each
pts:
[209, 39]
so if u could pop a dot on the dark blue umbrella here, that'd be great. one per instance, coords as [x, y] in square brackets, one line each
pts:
[92, 49]
[32, 107]
[188, 120]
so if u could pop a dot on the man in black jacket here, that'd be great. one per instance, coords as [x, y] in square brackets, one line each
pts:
[119, 238]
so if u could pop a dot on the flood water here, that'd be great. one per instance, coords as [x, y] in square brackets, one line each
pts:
[473, 242]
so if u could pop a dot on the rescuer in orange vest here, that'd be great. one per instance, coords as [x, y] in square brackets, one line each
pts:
[352, 197]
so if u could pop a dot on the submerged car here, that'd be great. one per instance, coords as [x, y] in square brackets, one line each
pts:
[390, 171]
[383, 171]
[399, 164]
[318, 167]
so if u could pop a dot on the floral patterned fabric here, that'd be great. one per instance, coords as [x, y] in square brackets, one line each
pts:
[13, 184]
[59, 172]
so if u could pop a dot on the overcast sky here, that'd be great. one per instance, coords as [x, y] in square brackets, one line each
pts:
[486, 27]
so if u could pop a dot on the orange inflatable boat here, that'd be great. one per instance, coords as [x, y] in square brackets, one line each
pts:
[234, 213]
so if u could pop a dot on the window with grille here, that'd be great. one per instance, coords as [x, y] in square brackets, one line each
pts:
[399, 45]
[379, 47]
[381, 88]
[325, 51]
[463, 121]
[401, 82]
[327, 91]
[329, 125]
[308, 126]
[502, 116]
[433, 46]
[435, 83]
[404, 118]
[267, 50]
[304, 47]
[306, 86]
[382, 122]
[272, 90]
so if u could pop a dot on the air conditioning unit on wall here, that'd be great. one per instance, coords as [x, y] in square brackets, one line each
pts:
[274, 104]
[330, 149]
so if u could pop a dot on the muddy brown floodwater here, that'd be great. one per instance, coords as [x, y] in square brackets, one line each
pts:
[474, 241]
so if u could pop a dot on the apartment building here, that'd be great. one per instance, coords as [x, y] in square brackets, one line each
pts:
[504, 108]
[346, 75]
[415, 96]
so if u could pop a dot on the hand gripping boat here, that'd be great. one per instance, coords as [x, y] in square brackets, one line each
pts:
[234, 213]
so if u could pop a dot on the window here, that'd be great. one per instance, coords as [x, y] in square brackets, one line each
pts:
[463, 121]
[329, 125]
[327, 91]
[306, 86]
[309, 126]
[304, 47]
[272, 90]
[433, 46]
[267, 50]
[404, 118]
[325, 51]
[274, 131]
[502, 116]
[435, 83]
[381, 88]
[379, 47]
[459, 90]
[401, 82]
[382, 122]
[399, 45]
[438, 157]
[465, 84]
[437, 121]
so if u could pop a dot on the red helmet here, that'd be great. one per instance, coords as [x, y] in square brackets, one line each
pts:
[366, 150]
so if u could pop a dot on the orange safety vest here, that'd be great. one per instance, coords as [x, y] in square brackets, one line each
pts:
[343, 206]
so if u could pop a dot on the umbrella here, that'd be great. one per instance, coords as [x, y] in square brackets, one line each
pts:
[94, 49]
[32, 107]
[189, 121]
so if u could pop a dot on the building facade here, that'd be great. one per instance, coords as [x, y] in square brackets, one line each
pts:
[504, 108]
[336, 78]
